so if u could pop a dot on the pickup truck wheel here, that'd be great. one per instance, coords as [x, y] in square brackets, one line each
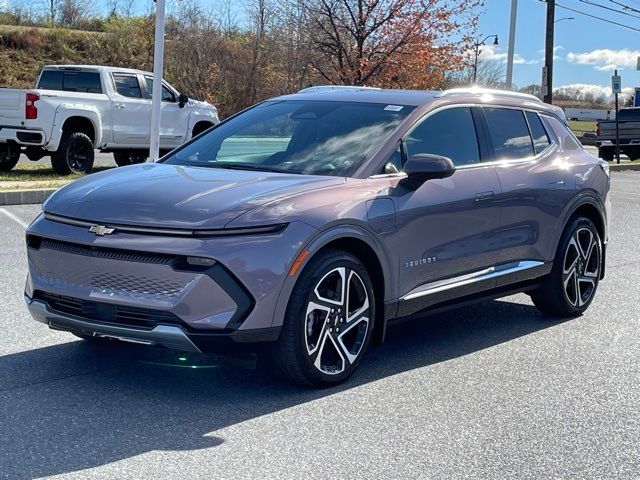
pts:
[9, 156]
[606, 154]
[75, 154]
[128, 157]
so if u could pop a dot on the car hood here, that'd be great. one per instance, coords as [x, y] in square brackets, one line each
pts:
[170, 196]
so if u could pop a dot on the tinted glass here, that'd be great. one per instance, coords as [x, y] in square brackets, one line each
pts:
[51, 80]
[128, 86]
[167, 95]
[629, 114]
[567, 139]
[450, 133]
[538, 133]
[509, 133]
[83, 82]
[310, 137]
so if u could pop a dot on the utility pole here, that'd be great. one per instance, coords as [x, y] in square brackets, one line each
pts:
[156, 94]
[548, 51]
[512, 43]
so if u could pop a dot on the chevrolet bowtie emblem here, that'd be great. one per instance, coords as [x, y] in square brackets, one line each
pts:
[101, 230]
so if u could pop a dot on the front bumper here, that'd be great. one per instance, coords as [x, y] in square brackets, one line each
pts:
[169, 336]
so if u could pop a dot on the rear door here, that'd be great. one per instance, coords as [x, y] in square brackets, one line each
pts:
[447, 227]
[131, 111]
[536, 181]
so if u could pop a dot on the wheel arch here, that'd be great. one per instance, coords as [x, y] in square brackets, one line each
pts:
[200, 126]
[362, 244]
[67, 117]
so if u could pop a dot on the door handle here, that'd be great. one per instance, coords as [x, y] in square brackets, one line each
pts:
[484, 196]
[119, 106]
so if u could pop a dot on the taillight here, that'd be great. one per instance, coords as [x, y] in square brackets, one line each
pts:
[31, 111]
[598, 129]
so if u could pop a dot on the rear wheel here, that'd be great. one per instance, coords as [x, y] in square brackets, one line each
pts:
[570, 287]
[9, 156]
[128, 157]
[75, 154]
[329, 321]
[606, 154]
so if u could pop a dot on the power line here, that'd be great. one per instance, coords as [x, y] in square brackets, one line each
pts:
[580, 12]
[625, 7]
[589, 2]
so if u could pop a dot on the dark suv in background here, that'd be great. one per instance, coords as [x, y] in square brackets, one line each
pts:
[306, 224]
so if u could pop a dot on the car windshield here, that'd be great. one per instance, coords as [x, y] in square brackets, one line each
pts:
[295, 136]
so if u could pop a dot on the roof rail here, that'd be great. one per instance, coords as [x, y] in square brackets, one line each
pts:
[321, 88]
[489, 91]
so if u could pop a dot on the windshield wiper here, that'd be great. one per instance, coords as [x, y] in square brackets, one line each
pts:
[240, 166]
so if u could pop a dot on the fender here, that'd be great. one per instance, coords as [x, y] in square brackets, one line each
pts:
[588, 197]
[64, 111]
[338, 231]
[201, 114]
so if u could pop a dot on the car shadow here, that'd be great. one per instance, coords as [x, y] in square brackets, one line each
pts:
[74, 406]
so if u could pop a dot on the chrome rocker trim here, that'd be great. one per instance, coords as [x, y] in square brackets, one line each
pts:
[473, 277]
[163, 335]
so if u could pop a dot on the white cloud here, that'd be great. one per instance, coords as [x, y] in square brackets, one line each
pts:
[494, 53]
[581, 89]
[604, 59]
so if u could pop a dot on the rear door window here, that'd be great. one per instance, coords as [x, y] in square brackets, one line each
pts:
[509, 133]
[127, 85]
[538, 133]
[81, 82]
[450, 133]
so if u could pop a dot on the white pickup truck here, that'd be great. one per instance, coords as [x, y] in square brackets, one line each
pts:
[77, 109]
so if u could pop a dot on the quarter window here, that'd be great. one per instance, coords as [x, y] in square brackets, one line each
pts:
[450, 133]
[538, 133]
[509, 132]
[127, 85]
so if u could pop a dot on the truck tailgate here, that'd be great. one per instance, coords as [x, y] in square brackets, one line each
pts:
[12, 106]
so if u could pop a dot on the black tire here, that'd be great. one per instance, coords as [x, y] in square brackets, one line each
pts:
[305, 330]
[75, 154]
[607, 155]
[9, 156]
[562, 293]
[128, 157]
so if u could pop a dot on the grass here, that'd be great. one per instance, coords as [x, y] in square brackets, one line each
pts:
[36, 176]
[578, 126]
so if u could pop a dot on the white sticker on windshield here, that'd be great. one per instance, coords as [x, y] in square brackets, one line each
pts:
[394, 108]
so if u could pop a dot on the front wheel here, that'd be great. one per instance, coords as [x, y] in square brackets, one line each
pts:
[328, 323]
[570, 287]
[9, 156]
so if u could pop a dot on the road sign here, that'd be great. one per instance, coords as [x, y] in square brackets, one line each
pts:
[638, 64]
[545, 81]
[616, 84]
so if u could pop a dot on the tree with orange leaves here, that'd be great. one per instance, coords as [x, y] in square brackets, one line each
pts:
[392, 43]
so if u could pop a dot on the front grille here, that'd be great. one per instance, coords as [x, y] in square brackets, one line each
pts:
[105, 312]
[107, 253]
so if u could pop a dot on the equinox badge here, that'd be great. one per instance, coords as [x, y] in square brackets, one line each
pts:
[101, 230]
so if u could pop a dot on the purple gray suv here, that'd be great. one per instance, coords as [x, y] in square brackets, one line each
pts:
[303, 226]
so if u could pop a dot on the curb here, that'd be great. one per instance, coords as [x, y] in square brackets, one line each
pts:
[25, 197]
[635, 167]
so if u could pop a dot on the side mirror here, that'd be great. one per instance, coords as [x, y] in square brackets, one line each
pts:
[182, 100]
[422, 167]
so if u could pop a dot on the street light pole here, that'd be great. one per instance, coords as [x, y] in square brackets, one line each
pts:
[548, 51]
[477, 46]
[156, 100]
[512, 43]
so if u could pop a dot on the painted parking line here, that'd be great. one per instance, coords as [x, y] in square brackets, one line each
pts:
[15, 218]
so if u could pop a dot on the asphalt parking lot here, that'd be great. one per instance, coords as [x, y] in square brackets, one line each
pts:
[492, 391]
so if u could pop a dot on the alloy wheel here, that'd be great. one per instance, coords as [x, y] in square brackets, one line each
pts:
[78, 156]
[337, 321]
[581, 267]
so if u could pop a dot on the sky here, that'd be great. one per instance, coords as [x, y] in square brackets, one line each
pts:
[587, 50]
